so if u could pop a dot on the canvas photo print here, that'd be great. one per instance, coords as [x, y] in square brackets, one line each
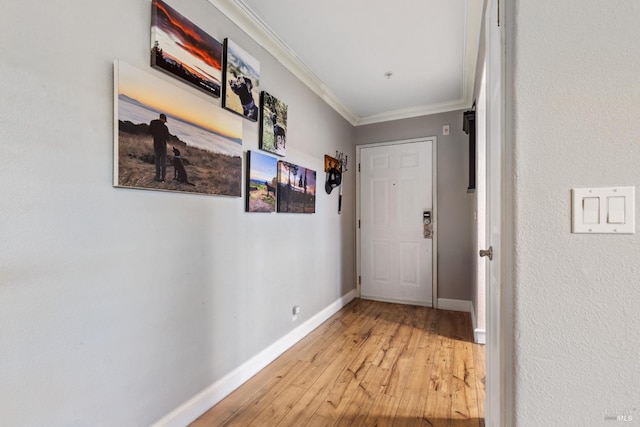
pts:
[331, 163]
[168, 139]
[273, 126]
[262, 182]
[241, 81]
[183, 50]
[296, 188]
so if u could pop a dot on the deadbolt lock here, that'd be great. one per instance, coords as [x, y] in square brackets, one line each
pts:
[427, 226]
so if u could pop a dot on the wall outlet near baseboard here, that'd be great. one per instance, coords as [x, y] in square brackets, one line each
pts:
[295, 312]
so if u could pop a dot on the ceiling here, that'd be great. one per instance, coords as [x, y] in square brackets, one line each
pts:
[371, 60]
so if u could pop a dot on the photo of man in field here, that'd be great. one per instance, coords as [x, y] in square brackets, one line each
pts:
[205, 141]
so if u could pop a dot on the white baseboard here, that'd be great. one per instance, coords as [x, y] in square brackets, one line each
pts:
[479, 335]
[199, 404]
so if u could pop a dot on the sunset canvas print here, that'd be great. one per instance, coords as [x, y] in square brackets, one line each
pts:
[296, 188]
[182, 49]
[168, 139]
[262, 182]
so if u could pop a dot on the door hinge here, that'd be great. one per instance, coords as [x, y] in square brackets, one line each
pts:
[498, 13]
[358, 167]
[359, 280]
[358, 224]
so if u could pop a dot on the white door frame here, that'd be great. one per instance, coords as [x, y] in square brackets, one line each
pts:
[434, 213]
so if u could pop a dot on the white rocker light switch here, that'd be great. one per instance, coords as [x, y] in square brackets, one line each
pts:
[609, 210]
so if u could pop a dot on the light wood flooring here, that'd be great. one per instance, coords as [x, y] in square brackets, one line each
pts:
[371, 364]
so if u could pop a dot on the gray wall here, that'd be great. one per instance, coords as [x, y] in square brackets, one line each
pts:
[117, 306]
[455, 205]
[575, 124]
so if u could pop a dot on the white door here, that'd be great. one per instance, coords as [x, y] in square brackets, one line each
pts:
[395, 196]
[497, 361]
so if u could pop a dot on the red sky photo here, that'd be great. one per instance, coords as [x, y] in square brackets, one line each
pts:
[180, 39]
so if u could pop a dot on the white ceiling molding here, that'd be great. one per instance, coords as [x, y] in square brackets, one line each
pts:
[407, 113]
[248, 22]
[254, 27]
[473, 28]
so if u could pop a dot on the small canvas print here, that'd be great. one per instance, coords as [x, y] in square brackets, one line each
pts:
[273, 127]
[331, 163]
[171, 140]
[262, 182]
[241, 81]
[183, 50]
[296, 188]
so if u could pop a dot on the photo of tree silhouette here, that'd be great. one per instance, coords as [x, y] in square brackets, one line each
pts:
[296, 188]
[182, 49]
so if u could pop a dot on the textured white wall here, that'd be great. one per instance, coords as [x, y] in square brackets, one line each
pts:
[116, 306]
[576, 68]
[455, 205]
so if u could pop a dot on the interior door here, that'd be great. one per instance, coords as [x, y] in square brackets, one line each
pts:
[396, 198]
[495, 369]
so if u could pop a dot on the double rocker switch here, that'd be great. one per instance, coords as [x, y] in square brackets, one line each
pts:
[614, 209]
[603, 210]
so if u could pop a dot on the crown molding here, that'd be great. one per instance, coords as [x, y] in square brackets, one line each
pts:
[473, 28]
[407, 113]
[241, 15]
[255, 28]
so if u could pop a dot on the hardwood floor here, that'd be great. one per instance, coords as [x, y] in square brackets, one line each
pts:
[371, 364]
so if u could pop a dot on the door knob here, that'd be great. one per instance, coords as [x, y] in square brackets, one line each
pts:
[487, 253]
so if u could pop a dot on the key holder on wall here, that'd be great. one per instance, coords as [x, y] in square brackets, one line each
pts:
[342, 159]
[335, 167]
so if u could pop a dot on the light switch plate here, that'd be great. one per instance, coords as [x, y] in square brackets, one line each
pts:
[616, 210]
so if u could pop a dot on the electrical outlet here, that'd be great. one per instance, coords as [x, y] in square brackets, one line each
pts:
[445, 130]
[295, 311]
